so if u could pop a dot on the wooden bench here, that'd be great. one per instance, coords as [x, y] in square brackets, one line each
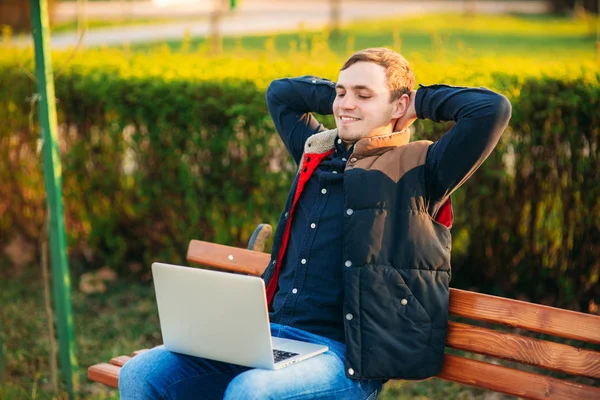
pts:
[471, 338]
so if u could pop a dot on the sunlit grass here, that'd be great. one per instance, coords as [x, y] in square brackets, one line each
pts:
[455, 49]
[451, 37]
[72, 26]
[520, 24]
[106, 324]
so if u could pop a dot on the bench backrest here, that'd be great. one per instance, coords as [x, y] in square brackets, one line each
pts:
[473, 340]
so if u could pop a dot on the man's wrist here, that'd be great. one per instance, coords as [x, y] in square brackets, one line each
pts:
[318, 93]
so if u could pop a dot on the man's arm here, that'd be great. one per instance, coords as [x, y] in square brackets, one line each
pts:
[481, 116]
[291, 101]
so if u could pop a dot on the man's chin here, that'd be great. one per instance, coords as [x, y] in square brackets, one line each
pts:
[346, 133]
[350, 137]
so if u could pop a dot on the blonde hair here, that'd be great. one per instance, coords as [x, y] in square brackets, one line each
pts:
[400, 78]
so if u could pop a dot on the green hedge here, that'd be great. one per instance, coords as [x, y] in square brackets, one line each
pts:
[147, 166]
[159, 149]
[533, 218]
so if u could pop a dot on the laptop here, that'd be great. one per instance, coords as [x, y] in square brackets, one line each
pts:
[221, 316]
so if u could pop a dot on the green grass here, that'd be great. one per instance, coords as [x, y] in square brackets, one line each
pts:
[107, 324]
[436, 36]
[116, 322]
[71, 26]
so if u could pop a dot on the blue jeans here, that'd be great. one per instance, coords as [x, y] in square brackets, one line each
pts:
[161, 374]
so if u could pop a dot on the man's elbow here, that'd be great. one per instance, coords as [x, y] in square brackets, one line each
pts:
[496, 120]
[271, 90]
[274, 89]
[502, 110]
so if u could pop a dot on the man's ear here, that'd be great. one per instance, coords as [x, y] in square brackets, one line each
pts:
[400, 106]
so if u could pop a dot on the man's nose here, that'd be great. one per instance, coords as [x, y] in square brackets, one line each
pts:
[347, 103]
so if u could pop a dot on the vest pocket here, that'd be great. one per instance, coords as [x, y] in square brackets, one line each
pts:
[391, 284]
[395, 328]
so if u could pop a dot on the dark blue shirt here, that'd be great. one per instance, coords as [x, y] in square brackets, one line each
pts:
[310, 284]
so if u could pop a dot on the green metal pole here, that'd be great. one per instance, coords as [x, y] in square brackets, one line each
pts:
[61, 282]
[232, 4]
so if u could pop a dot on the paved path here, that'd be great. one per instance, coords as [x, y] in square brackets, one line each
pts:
[252, 17]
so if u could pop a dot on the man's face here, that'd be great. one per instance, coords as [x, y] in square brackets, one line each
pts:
[362, 106]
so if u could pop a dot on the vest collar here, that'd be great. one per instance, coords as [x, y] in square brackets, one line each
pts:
[373, 145]
[320, 142]
[324, 141]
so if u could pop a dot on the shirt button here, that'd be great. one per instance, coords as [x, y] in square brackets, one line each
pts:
[343, 159]
[287, 214]
[339, 141]
[349, 317]
[348, 263]
[274, 262]
[350, 371]
[303, 261]
[324, 191]
[314, 81]
[353, 159]
[349, 211]
[313, 225]
[404, 302]
[294, 290]
[335, 172]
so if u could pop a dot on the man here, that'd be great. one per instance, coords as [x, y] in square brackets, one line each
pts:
[361, 254]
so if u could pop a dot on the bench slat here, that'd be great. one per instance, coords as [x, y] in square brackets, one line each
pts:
[513, 382]
[135, 353]
[105, 373]
[520, 314]
[228, 258]
[119, 361]
[523, 349]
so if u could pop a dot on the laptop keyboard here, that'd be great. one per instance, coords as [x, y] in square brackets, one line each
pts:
[279, 355]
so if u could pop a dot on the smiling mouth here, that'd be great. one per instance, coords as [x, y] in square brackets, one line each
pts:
[349, 119]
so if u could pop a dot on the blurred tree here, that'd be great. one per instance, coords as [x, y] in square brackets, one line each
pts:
[15, 13]
[335, 16]
[575, 6]
[82, 19]
[469, 7]
[216, 42]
